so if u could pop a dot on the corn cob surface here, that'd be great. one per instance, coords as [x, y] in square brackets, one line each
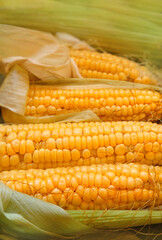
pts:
[93, 64]
[71, 144]
[109, 104]
[108, 186]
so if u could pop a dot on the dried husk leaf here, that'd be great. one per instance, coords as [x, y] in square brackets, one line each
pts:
[72, 42]
[40, 53]
[84, 116]
[13, 91]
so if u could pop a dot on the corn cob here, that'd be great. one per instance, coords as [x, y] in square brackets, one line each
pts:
[108, 186]
[93, 64]
[108, 104]
[62, 144]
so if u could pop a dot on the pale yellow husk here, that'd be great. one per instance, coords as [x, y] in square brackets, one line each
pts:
[41, 54]
[84, 116]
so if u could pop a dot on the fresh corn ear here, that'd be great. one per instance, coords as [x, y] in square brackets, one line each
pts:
[109, 104]
[107, 66]
[74, 144]
[108, 186]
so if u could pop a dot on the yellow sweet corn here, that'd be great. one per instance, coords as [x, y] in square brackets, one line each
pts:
[107, 66]
[109, 104]
[62, 144]
[108, 186]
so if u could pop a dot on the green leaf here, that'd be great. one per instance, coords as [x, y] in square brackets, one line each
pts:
[115, 219]
[22, 215]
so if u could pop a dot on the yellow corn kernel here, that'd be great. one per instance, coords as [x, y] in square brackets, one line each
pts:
[113, 105]
[104, 186]
[100, 142]
[103, 65]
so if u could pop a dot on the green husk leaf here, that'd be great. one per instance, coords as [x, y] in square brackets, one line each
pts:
[114, 219]
[22, 214]
[26, 217]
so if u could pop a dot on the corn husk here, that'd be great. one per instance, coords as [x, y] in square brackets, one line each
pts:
[128, 28]
[39, 53]
[10, 94]
[26, 217]
[12, 117]
[14, 90]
